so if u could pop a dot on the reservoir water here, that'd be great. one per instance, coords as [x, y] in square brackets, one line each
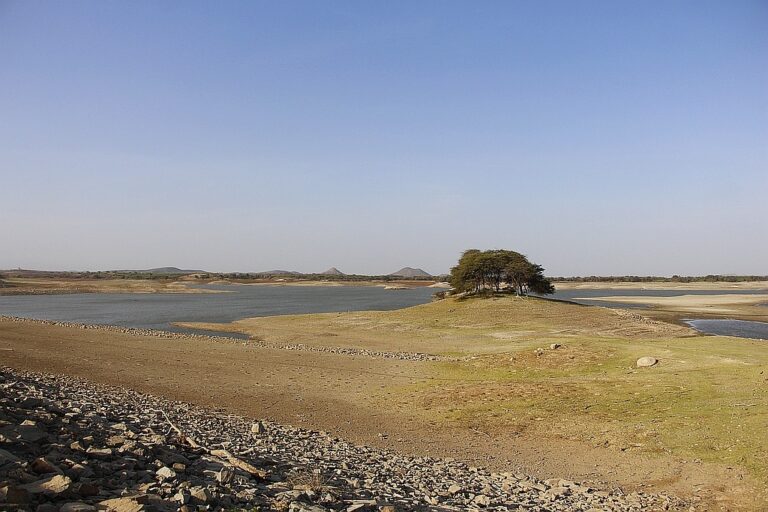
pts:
[726, 327]
[160, 310]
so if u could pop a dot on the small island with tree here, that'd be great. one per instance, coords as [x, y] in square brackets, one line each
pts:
[498, 270]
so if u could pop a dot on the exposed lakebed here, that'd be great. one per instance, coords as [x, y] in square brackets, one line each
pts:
[718, 326]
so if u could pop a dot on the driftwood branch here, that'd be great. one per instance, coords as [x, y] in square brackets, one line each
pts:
[239, 463]
[224, 456]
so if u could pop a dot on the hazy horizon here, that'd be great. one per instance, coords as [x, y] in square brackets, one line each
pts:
[598, 139]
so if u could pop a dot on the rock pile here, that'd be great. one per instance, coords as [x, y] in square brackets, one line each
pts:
[70, 446]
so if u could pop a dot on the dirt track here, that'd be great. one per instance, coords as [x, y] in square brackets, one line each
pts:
[336, 393]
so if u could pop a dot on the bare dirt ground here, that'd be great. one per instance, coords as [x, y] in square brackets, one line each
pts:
[410, 406]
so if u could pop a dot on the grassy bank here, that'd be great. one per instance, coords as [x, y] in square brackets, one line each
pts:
[706, 400]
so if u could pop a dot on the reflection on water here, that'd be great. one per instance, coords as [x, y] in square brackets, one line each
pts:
[726, 327]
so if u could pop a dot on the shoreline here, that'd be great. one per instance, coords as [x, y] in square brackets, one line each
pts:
[59, 286]
[389, 403]
[250, 341]
[273, 462]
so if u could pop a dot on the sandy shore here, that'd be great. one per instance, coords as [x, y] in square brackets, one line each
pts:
[738, 306]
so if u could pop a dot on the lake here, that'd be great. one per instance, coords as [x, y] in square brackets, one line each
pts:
[160, 310]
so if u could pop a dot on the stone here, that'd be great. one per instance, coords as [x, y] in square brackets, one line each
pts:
[52, 485]
[31, 403]
[200, 495]
[454, 489]
[165, 473]
[6, 457]
[225, 475]
[115, 441]
[182, 497]
[555, 346]
[481, 500]
[258, 428]
[77, 507]
[31, 433]
[647, 361]
[47, 507]
[86, 489]
[14, 494]
[556, 492]
[125, 504]
[42, 466]
[99, 453]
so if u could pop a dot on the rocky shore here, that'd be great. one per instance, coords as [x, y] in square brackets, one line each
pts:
[403, 356]
[67, 445]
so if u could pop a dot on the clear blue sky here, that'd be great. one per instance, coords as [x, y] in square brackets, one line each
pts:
[597, 137]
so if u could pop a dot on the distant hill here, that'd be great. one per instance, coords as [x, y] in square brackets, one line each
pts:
[333, 271]
[280, 273]
[410, 272]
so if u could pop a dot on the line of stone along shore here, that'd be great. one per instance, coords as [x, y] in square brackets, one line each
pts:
[67, 445]
[403, 356]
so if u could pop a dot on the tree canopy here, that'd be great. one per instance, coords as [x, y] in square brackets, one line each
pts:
[496, 269]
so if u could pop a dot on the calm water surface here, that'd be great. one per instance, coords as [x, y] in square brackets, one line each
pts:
[159, 310]
[726, 327]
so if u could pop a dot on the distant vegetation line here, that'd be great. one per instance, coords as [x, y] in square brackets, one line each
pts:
[162, 274]
[712, 278]
[229, 276]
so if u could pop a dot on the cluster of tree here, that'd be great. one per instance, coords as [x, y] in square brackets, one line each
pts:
[650, 279]
[493, 270]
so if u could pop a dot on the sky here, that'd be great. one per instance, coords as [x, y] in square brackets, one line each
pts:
[598, 138]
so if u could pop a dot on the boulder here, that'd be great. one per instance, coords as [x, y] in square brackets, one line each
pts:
[647, 361]
[42, 466]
